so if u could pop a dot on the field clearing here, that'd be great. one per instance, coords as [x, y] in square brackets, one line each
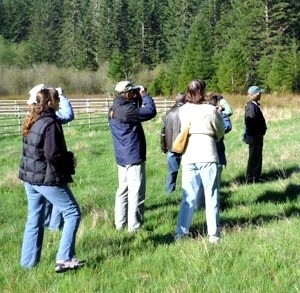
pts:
[259, 251]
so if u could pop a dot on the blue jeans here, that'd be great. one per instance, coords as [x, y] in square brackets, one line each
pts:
[173, 160]
[61, 197]
[53, 217]
[193, 177]
[201, 197]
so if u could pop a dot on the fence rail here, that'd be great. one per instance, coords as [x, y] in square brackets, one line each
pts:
[88, 112]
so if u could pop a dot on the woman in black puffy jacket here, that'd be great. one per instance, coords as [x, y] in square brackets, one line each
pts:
[46, 169]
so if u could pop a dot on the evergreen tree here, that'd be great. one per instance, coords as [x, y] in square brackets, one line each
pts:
[115, 34]
[243, 23]
[117, 67]
[179, 16]
[197, 62]
[232, 68]
[15, 19]
[281, 22]
[146, 44]
[90, 29]
[72, 52]
[107, 30]
[230, 43]
[284, 72]
[44, 37]
[294, 61]
[263, 70]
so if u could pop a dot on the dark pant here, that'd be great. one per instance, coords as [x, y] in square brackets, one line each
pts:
[254, 167]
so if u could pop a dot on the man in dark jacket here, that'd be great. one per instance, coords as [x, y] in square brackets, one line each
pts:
[169, 131]
[131, 106]
[255, 129]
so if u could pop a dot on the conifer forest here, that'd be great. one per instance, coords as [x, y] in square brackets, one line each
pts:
[229, 43]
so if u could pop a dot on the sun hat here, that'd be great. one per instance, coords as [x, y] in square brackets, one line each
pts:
[125, 86]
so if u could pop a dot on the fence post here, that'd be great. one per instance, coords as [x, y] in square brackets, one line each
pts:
[88, 107]
[17, 109]
[166, 107]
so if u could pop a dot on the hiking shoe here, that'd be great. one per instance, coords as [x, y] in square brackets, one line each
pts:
[64, 265]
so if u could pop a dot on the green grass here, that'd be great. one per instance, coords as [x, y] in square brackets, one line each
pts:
[259, 251]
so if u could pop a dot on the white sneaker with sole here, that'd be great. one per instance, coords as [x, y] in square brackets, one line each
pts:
[64, 265]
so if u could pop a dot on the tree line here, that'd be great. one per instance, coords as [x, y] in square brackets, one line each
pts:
[228, 43]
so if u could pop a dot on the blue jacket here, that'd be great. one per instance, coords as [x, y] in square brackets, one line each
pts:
[126, 128]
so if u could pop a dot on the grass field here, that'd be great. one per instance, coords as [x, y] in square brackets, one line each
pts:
[259, 251]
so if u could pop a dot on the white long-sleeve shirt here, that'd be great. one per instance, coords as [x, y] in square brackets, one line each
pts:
[65, 112]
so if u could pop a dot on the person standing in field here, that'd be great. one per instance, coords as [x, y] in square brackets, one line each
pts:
[225, 110]
[200, 161]
[131, 106]
[65, 113]
[46, 168]
[170, 130]
[255, 129]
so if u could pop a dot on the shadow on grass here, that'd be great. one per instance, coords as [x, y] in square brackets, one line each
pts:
[162, 239]
[259, 220]
[150, 237]
[272, 175]
[169, 200]
[291, 193]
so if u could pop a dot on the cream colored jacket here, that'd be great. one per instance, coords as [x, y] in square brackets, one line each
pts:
[206, 127]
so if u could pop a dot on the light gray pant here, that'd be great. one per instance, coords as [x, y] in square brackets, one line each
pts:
[130, 196]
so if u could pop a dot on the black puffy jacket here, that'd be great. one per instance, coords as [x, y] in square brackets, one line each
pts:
[45, 159]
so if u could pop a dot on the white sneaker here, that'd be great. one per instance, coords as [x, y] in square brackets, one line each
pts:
[64, 265]
[214, 239]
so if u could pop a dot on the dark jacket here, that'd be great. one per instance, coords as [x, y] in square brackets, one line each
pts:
[126, 128]
[255, 124]
[45, 159]
[170, 128]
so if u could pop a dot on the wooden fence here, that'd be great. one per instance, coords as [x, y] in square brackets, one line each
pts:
[89, 113]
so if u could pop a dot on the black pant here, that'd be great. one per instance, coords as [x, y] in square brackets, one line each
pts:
[254, 167]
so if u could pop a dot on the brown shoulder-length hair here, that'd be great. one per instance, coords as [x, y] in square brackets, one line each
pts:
[196, 92]
[36, 110]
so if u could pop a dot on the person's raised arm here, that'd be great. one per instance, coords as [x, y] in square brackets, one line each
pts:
[65, 112]
[148, 109]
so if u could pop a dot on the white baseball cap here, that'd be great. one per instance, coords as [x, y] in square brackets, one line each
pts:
[33, 92]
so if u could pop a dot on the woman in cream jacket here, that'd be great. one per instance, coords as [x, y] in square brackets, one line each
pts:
[200, 161]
